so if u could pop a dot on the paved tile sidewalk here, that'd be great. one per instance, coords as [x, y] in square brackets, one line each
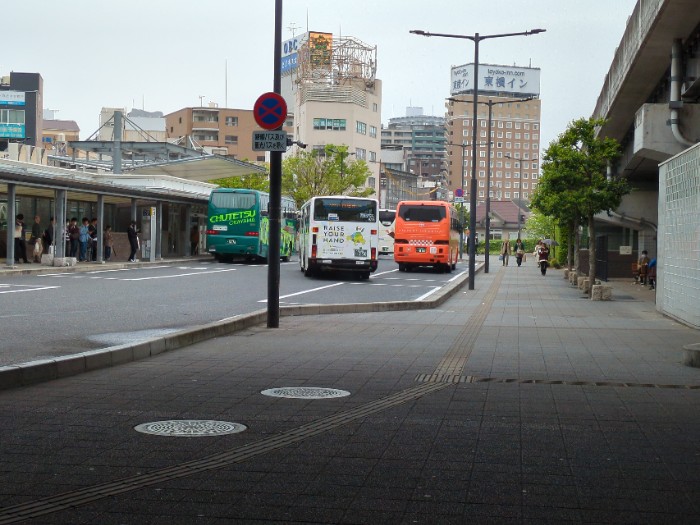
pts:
[489, 447]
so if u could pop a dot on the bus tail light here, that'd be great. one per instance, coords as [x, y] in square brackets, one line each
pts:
[252, 234]
[313, 251]
[212, 232]
[374, 254]
[373, 232]
[314, 229]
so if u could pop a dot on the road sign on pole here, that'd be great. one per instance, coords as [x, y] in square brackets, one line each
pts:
[270, 110]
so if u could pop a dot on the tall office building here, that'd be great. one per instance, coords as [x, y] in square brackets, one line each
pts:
[422, 138]
[512, 94]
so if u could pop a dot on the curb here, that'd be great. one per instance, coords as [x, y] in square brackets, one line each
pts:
[33, 372]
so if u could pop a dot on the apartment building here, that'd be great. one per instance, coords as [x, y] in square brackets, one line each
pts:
[222, 131]
[511, 96]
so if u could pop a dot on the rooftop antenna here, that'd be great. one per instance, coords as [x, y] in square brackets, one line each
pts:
[201, 97]
[226, 83]
[293, 27]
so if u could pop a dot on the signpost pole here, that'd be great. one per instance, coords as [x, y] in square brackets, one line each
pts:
[275, 212]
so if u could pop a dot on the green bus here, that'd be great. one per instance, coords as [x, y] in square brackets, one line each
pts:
[238, 225]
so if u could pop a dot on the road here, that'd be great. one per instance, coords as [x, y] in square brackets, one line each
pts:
[64, 313]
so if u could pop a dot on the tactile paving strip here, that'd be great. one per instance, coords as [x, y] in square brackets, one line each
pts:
[444, 378]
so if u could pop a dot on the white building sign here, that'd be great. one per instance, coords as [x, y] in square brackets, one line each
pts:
[518, 81]
[12, 98]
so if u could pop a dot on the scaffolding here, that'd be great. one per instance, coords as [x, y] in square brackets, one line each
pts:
[324, 59]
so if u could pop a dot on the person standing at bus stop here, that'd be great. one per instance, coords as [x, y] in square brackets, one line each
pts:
[133, 235]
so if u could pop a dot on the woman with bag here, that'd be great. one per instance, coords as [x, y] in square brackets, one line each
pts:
[519, 251]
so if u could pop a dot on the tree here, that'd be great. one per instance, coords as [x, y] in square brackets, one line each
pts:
[253, 181]
[328, 172]
[574, 183]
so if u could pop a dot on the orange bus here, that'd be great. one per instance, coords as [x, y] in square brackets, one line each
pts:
[426, 233]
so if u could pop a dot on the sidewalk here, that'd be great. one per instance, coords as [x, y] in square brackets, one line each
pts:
[517, 402]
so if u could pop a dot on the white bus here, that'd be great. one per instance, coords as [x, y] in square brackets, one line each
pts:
[338, 233]
[386, 226]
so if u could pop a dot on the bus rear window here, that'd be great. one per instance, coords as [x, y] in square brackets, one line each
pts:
[233, 200]
[422, 213]
[349, 210]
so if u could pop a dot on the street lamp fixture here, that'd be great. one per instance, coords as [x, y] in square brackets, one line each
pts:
[476, 38]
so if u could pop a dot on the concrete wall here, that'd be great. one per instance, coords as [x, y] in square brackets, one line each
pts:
[678, 273]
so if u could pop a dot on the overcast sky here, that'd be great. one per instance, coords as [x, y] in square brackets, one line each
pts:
[162, 55]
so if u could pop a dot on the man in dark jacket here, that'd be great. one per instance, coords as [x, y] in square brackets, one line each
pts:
[133, 235]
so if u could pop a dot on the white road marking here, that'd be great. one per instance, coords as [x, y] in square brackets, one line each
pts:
[176, 275]
[304, 291]
[435, 288]
[30, 289]
[455, 277]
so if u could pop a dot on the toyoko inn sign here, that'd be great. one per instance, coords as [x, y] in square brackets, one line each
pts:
[510, 80]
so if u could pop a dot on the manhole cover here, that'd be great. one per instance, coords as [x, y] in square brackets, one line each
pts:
[305, 392]
[190, 428]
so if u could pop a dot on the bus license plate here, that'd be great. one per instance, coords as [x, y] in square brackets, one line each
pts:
[231, 241]
[420, 250]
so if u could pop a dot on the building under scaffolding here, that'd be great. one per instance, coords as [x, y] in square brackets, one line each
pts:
[325, 59]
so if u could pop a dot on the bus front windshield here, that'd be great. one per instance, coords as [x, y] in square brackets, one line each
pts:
[345, 210]
[422, 213]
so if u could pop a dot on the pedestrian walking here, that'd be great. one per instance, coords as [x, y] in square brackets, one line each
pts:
[505, 251]
[133, 235]
[519, 251]
[543, 257]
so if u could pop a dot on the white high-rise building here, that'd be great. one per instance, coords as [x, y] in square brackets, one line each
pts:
[331, 89]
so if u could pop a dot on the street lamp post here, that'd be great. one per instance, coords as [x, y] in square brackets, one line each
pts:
[476, 38]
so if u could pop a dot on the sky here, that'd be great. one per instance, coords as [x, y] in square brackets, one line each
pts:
[163, 55]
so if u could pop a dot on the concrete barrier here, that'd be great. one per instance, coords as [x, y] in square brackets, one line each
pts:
[691, 355]
[601, 292]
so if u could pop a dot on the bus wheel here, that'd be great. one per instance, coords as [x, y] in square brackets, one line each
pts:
[364, 276]
[402, 267]
[309, 272]
[448, 268]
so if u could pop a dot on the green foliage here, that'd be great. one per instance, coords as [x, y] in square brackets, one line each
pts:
[253, 181]
[574, 186]
[540, 226]
[309, 174]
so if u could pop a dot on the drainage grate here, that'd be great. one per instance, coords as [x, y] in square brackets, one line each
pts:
[445, 378]
[305, 392]
[190, 428]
